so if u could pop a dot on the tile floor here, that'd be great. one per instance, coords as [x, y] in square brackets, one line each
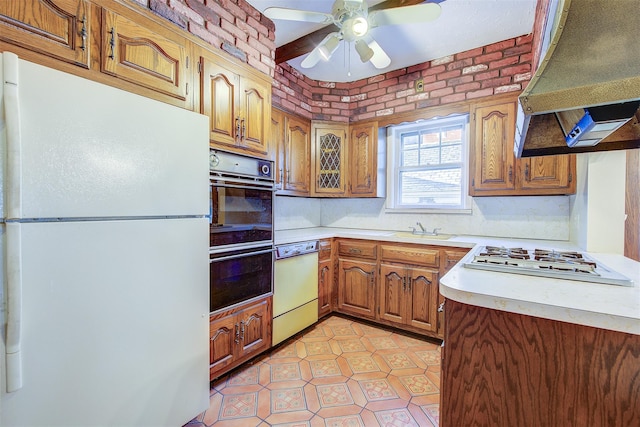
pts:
[341, 372]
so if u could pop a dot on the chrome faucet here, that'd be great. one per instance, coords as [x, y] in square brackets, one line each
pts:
[423, 231]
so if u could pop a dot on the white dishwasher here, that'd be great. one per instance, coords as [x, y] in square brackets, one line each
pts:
[295, 289]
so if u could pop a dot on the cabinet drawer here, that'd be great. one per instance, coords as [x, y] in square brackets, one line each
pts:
[357, 249]
[324, 250]
[407, 255]
[452, 257]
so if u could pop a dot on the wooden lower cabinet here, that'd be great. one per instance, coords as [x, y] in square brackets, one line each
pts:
[325, 277]
[408, 296]
[503, 369]
[237, 334]
[357, 288]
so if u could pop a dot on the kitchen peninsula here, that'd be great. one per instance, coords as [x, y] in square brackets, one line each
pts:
[529, 351]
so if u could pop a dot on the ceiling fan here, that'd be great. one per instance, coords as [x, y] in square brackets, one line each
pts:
[353, 19]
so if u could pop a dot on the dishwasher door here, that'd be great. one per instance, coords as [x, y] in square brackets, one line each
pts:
[295, 295]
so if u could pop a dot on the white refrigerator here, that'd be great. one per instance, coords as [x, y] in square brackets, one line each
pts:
[104, 254]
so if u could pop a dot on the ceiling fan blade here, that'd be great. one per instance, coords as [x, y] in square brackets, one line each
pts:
[297, 15]
[316, 54]
[380, 59]
[425, 12]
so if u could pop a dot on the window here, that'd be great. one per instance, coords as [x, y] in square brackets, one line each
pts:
[427, 167]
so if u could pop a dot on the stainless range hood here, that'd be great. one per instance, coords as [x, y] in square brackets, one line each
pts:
[593, 60]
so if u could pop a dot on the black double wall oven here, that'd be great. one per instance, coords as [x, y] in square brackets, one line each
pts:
[241, 249]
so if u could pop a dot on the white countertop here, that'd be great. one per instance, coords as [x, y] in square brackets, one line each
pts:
[603, 306]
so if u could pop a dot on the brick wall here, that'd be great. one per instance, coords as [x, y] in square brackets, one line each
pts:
[490, 70]
[233, 26]
[237, 28]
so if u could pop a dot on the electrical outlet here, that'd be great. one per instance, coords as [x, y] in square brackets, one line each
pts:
[419, 85]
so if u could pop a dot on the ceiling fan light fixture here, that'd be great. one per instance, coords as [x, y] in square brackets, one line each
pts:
[330, 46]
[355, 28]
[364, 51]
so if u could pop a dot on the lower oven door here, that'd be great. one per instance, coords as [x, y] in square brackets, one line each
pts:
[239, 276]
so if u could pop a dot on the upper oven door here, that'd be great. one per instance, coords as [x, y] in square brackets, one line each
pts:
[241, 212]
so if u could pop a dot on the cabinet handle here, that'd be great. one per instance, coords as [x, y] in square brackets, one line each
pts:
[526, 172]
[242, 331]
[237, 136]
[83, 32]
[510, 173]
[237, 334]
[112, 43]
[373, 283]
[281, 175]
[404, 283]
[288, 177]
[441, 307]
[244, 128]
[355, 251]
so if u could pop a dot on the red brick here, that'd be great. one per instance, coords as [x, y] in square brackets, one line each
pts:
[456, 97]
[503, 62]
[434, 70]
[395, 73]
[220, 11]
[397, 88]
[231, 28]
[487, 75]
[528, 38]
[375, 93]
[205, 35]
[375, 107]
[469, 53]
[500, 81]
[508, 88]
[479, 93]
[375, 79]
[467, 87]
[330, 111]
[517, 50]
[386, 98]
[428, 103]
[434, 86]
[340, 105]
[493, 56]
[449, 74]
[396, 102]
[459, 64]
[418, 67]
[248, 29]
[500, 45]
[388, 82]
[460, 80]
[441, 92]
[517, 69]
[233, 9]
[406, 107]
[369, 88]
[220, 33]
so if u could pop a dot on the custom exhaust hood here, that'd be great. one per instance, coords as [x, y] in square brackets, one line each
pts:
[585, 94]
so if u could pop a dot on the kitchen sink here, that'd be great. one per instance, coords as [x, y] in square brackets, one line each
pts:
[439, 236]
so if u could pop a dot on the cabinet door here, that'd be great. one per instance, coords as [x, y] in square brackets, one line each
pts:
[137, 54]
[393, 293]
[325, 283]
[278, 145]
[255, 112]
[492, 158]
[548, 174]
[57, 28]
[224, 333]
[422, 288]
[218, 94]
[356, 288]
[297, 156]
[363, 155]
[329, 143]
[255, 328]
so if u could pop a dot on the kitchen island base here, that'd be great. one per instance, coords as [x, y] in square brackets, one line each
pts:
[506, 369]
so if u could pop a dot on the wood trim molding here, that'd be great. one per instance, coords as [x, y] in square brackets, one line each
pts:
[632, 206]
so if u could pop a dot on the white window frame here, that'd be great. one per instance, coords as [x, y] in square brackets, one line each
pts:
[393, 166]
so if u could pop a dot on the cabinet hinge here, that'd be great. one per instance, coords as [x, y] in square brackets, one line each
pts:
[378, 309]
[473, 182]
[187, 62]
[199, 66]
[570, 177]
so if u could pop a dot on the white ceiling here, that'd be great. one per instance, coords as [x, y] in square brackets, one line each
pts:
[463, 25]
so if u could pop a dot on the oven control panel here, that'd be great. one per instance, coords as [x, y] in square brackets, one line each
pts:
[235, 164]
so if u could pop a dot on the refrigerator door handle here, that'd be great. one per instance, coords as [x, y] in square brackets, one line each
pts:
[13, 190]
[14, 307]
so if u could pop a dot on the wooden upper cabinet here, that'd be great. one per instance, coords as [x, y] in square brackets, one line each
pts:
[238, 107]
[363, 151]
[56, 28]
[548, 173]
[277, 145]
[156, 60]
[329, 154]
[494, 169]
[218, 101]
[297, 159]
[492, 153]
[255, 113]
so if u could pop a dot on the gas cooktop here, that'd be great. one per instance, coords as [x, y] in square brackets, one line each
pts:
[546, 263]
